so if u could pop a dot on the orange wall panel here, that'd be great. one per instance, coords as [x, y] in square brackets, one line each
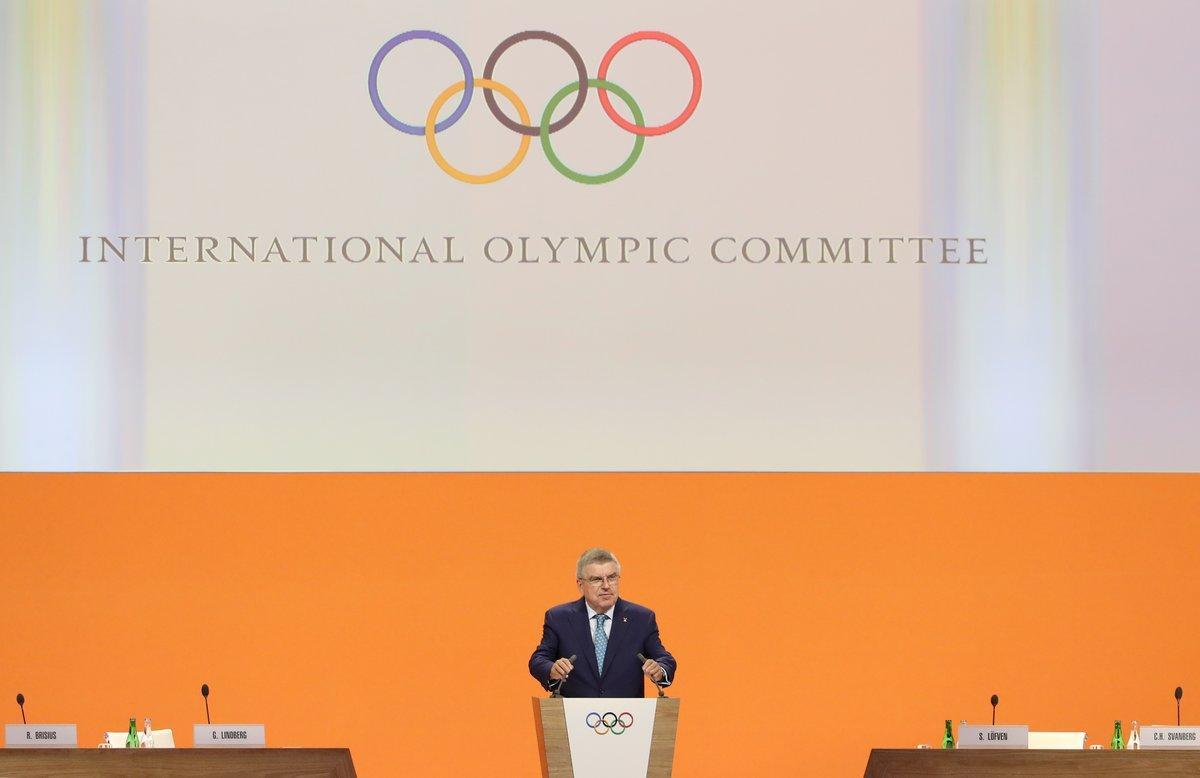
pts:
[813, 615]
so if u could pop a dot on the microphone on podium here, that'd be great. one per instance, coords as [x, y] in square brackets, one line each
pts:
[21, 703]
[656, 683]
[995, 702]
[1178, 697]
[204, 693]
[554, 693]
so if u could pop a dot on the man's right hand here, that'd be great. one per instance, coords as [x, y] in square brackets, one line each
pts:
[561, 669]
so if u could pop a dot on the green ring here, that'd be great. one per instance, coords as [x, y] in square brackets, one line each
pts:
[584, 178]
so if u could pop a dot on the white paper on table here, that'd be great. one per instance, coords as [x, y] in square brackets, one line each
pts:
[1057, 740]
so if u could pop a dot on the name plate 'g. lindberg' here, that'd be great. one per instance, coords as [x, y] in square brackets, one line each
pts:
[989, 736]
[229, 736]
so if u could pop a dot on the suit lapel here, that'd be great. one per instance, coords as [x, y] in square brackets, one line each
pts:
[583, 627]
[619, 628]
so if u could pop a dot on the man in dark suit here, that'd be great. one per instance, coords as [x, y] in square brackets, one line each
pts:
[605, 634]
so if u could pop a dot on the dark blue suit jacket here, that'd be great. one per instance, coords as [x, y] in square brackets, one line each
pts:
[567, 632]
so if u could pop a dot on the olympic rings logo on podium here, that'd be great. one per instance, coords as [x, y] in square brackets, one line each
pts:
[545, 127]
[604, 723]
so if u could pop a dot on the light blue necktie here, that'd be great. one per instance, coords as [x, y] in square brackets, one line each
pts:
[601, 640]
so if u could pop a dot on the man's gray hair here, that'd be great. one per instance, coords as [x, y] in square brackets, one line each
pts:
[595, 556]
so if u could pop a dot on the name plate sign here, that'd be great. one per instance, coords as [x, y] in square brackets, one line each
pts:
[1170, 737]
[40, 736]
[229, 736]
[997, 736]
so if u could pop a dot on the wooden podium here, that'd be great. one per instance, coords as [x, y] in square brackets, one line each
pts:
[559, 753]
[221, 762]
[913, 763]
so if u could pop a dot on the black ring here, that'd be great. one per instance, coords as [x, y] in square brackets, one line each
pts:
[549, 37]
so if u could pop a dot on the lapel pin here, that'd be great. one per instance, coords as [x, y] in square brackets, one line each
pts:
[624, 619]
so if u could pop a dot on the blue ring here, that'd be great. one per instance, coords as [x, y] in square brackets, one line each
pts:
[436, 37]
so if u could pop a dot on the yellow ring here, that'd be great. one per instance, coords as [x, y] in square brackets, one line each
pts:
[431, 141]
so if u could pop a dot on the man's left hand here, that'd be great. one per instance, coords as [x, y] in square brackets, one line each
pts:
[653, 670]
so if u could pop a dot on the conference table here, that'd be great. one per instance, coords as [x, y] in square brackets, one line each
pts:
[160, 762]
[911, 763]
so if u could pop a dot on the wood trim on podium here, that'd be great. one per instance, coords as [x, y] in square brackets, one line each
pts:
[185, 762]
[662, 742]
[550, 718]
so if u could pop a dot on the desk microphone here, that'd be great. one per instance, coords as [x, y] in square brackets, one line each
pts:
[1178, 697]
[995, 702]
[21, 702]
[204, 693]
[558, 688]
[656, 684]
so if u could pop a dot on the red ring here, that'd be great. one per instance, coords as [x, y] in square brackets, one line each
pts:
[676, 44]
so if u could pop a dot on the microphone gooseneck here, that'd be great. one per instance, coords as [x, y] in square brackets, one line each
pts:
[204, 693]
[21, 704]
[558, 684]
[995, 702]
[656, 683]
[1178, 697]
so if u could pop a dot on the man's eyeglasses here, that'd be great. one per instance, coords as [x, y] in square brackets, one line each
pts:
[610, 580]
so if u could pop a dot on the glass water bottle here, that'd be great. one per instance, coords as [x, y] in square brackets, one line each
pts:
[948, 737]
[1118, 741]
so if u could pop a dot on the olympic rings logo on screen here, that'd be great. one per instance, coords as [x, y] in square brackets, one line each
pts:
[545, 127]
[603, 723]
